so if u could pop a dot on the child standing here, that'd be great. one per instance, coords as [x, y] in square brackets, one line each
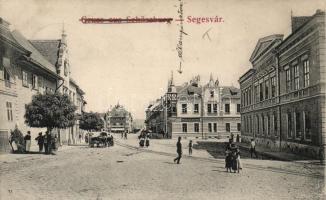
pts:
[190, 147]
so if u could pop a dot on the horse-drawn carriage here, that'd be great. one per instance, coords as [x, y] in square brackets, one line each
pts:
[100, 139]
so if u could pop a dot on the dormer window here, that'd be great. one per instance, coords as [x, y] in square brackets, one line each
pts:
[212, 93]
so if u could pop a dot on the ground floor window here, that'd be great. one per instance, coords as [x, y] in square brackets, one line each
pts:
[239, 126]
[307, 125]
[297, 125]
[227, 127]
[184, 128]
[196, 127]
[289, 125]
[209, 127]
[268, 126]
[263, 124]
[275, 123]
[215, 127]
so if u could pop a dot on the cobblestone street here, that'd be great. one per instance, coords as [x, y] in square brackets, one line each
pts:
[127, 172]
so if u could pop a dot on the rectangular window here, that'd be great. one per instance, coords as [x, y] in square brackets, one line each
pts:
[210, 127]
[215, 108]
[239, 126]
[263, 123]
[209, 108]
[307, 125]
[238, 108]
[296, 77]
[196, 108]
[306, 76]
[227, 108]
[215, 127]
[261, 92]
[288, 80]
[34, 82]
[9, 111]
[184, 108]
[266, 89]
[212, 93]
[249, 96]
[258, 124]
[227, 127]
[275, 124]
[7, 78]
[289, 125]
[297, 125]
[25, 79]
[268, 125]
[273, 84]
[40, 82]
[196, 127]
[256, 93]
[184, 128]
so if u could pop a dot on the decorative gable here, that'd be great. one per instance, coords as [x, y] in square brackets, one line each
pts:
[264, 45]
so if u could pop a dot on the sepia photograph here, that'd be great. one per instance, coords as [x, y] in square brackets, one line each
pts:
[173, 99]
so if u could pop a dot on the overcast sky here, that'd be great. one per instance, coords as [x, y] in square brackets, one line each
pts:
[131, 63]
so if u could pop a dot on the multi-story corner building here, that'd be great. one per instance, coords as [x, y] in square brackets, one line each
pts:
[194, 110]
[283, 94]
[28, 67]
[118, 119]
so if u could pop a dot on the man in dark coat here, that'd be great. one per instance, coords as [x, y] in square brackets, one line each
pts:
[179, 150]
[40, 141]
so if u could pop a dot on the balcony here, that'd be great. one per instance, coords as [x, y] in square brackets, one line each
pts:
[301, 93]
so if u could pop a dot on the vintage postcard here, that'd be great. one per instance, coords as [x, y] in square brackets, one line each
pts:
[173, 99]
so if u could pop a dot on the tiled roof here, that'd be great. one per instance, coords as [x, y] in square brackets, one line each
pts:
[35, 55]
[48, 48]
[230, 91]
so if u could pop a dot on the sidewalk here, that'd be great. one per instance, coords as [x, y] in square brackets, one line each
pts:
[164, 145]
[16, 157]
[277, 155]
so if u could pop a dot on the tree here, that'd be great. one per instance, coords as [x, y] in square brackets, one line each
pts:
[50, 111]
[91, 121]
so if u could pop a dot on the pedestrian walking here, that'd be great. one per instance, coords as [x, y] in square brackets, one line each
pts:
[80, 138]
[253, 148]
[27, 139]
[126, 134]
[49, 138]
[40, 141]
[232, 137]
[238, 159]
[45, 142]
[228, 160]
[122, 135]
[147, 142]
[179, 151]
[190, 147]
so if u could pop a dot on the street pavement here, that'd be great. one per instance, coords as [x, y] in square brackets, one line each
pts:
[126, 171]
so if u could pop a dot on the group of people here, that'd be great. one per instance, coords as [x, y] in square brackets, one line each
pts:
[46, 142]
[144, 139]
[232, 158]
[124, 135]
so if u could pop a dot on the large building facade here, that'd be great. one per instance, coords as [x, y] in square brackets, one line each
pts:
[194, 110]
[283, 94]
[118, 120]
[29, 67]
